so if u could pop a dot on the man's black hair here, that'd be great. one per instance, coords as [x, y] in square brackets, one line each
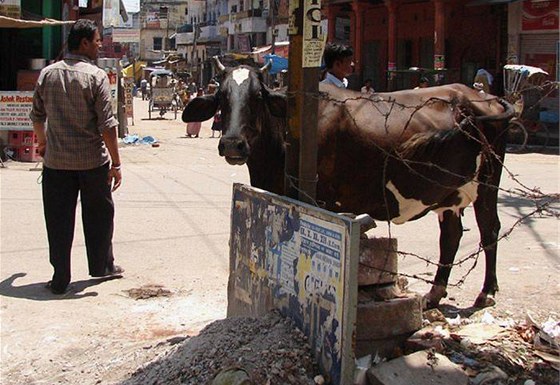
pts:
[82, 28]
[335, 52]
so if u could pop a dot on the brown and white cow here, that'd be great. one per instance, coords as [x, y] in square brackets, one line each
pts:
[395, 156]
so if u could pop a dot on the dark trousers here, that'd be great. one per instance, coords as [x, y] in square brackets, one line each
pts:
[60, 195]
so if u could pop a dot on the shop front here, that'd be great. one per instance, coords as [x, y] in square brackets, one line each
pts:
[29, 45]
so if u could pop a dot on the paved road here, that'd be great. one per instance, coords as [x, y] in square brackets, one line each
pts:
[172, 229]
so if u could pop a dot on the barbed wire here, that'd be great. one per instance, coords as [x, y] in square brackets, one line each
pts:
[465, 122]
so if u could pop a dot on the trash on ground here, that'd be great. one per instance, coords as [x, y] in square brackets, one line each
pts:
[137, 139]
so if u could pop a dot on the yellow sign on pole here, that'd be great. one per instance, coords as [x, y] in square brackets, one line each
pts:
[313, 37]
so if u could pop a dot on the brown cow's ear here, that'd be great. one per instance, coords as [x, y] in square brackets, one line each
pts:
[200, 109]
[277, 103]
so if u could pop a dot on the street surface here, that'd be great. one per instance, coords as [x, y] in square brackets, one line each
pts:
[172, 230]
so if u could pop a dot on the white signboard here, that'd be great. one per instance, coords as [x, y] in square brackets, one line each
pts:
[132, 6]
[111, 13]
[15, 107]
[313, 38]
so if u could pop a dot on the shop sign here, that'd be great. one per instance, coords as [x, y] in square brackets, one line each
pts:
[128, 83]
[10, 8]
[15, 107]
[122, 35]
[152, 20]
[540, 16]
[313, 36]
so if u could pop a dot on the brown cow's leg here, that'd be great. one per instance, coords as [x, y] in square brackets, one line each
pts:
[451, 231]
[486, 212]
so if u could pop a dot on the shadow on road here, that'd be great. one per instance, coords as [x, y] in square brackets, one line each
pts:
[39, 291]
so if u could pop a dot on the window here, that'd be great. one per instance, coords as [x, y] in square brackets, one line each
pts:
[234, 9]
[241, 6]
[158, 43]
[172, 43]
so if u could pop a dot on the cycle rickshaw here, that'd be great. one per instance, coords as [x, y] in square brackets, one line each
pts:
[162, 93]
[524, 87]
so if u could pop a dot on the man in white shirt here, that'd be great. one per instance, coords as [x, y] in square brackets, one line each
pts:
[367, 88]
[339, 64]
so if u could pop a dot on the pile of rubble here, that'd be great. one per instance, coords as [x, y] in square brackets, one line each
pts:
[238, 350]
[478, 350]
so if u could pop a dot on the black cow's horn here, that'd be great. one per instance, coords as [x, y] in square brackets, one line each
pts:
[266, 67]
[219, 66]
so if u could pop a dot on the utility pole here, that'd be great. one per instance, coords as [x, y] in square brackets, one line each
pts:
[306, 51]
[273, 9]
[164, 10]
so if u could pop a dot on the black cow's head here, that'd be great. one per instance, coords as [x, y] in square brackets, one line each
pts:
[246, 106]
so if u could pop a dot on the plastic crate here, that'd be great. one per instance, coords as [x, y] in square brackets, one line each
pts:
[15, 138]
[28, 154]
[22, 138]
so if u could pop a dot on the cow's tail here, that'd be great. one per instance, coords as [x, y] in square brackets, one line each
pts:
[505, 116]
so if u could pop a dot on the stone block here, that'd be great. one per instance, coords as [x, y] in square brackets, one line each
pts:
[420, 368]
[378, 261]
[387, 348]
[377, 320]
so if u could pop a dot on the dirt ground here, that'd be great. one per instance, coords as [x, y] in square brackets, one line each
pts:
[172, 232]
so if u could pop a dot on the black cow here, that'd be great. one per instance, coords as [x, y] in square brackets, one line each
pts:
[395, 156]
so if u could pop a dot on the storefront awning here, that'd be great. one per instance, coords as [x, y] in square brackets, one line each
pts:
[8, 22]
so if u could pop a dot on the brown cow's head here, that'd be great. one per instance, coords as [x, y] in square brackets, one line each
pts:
[246, 105]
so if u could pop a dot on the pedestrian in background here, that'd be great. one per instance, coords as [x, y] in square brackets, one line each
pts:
[144, 88]
[423, 83]
[339, 64]
[193, 128]
[80, 155]
[367, 88]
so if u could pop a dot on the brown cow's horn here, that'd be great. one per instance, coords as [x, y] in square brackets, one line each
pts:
[266, 67]
[219, 66]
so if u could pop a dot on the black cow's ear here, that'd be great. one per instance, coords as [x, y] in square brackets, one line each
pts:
[277, 103]
[200, 109]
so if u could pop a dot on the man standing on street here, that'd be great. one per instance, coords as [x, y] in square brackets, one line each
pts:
[338, 63]
[80, 154]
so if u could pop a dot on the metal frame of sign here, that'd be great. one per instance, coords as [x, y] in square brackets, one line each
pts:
[303, 261]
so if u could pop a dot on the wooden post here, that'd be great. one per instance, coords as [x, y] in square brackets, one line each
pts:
[331, 17]
[392, 7]
[306, 50]
[359, 10]
[439, 36]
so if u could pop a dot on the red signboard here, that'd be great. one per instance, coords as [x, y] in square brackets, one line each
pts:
[540, 15]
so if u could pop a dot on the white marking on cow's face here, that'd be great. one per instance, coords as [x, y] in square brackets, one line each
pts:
[240, 75]
[408, 207]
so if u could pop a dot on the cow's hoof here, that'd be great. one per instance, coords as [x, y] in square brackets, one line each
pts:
[432, 299]
[483, 301]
